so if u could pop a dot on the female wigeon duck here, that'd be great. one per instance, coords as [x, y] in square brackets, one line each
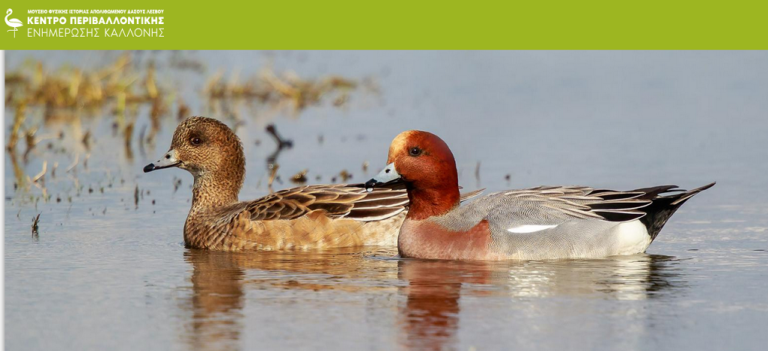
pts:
[538, 223]
[308, 217]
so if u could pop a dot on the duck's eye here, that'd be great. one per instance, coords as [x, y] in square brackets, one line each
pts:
[415, 151]
[195, 141]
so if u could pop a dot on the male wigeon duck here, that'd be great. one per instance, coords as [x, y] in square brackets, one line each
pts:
[307, 217]
[539, 223]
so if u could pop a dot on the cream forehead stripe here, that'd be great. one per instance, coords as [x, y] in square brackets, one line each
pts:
[400, 142]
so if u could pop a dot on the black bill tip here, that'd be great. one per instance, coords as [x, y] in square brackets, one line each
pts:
[149, 168]
[371, 183]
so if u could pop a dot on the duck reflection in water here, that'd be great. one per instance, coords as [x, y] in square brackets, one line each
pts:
[430, 318]
[437, 293]
[221, 280]
[216, 301]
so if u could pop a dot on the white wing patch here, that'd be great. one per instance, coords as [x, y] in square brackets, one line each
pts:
[530, 228]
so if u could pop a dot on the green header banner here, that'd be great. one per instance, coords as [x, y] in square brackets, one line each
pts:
[344, 24]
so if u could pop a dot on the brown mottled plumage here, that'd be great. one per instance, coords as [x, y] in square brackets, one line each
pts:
[308, 217]
[317, 216]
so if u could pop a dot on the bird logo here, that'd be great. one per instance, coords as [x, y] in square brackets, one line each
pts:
[14, 23]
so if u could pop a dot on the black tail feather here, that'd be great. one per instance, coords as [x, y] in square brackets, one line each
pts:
[663, 207]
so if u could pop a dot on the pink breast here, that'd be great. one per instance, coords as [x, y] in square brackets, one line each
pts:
[429, 240]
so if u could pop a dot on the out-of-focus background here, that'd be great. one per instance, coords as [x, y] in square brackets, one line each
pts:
[94, 257]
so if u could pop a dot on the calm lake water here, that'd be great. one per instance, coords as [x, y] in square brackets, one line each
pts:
[108, 269]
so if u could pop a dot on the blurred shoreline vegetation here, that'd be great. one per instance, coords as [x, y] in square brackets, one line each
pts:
[55, 109]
